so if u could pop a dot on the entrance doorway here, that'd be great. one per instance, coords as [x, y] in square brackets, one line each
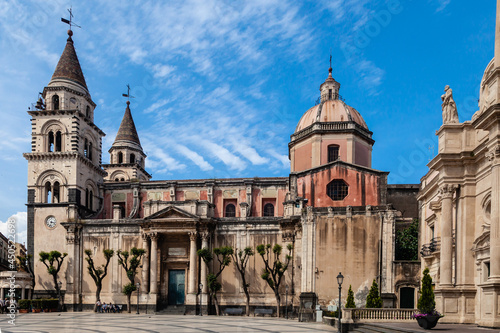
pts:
[407, 298]
[176, 283]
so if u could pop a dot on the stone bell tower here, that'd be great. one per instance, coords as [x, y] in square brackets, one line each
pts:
[64, 167]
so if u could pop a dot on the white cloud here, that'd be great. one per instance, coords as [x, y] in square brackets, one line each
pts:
[194, 157]
[161, 71]
[228, 158]
[442, 4]
[20, 224]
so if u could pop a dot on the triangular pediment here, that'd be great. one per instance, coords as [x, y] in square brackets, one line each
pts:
[172, 212]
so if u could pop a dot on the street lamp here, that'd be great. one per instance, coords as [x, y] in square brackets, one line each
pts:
[138, 285]
[200, 286]
[340, 280]
[286, 301]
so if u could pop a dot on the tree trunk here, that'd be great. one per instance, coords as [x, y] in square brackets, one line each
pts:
[278, 301]
[128, 303]
[59, 295]
[97, 297]
[217, 310]
[247, 294]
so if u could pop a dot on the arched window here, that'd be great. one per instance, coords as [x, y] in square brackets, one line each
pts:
[91, 200]
[337, 189]
[48, 192]
[55, 102]
[87, 111]
[117, 180]
[57, 192]
[230, 211]
[58, 141]
[87, 197]
[132, 158]
[51, 142]
[86, 148]
[333, 153]
[123, 179]
[90, 151]
[268, 209]
[120, 158]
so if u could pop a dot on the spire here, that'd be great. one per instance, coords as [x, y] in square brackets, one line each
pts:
[68, 67]
[127, 131]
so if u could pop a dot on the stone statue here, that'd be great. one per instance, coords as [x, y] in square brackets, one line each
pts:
[450, 115]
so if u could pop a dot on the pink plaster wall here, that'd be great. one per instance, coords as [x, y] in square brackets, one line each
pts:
[303, 157]
[362, 156]
[342, 149]
[313, 187]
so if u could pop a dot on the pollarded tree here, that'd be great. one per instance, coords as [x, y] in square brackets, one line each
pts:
[349, 303]
[130, 267]
[25, 264]
[373, 299]
[98, 273]
[274, 268]
[53, 260]
[223, 255]
[240, 258]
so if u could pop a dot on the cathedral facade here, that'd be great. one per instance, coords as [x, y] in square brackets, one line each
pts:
[339, 214]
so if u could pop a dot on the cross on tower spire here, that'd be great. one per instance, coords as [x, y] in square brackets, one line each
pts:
[70, 21]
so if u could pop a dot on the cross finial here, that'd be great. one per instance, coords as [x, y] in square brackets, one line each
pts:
[128, 94]
[70, 21]
[330, 58]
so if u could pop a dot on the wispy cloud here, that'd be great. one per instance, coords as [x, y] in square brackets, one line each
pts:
[20, 227]
[441, 5]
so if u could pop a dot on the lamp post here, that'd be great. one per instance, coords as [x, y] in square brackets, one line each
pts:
[138, 285]
[340, 279]
[200, 286]
[286, 301]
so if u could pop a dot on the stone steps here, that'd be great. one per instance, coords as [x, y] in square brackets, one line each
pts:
[173, 310]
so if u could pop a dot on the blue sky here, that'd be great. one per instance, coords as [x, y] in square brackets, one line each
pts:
[221, 85]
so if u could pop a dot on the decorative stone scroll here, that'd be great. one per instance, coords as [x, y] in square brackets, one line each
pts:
[494, 153]
[447, 190]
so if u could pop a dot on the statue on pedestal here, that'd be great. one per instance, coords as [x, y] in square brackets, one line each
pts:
[450, 114]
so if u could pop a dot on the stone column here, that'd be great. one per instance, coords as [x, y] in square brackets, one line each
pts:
[204, 268]
[154, 263]
[145, 264]
[23, 293]
[445, 261]
[192, 262]
[494, 155]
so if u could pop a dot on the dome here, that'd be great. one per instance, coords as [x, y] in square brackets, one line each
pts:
[333, 110]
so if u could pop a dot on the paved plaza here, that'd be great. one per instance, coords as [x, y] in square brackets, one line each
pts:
[113, 322]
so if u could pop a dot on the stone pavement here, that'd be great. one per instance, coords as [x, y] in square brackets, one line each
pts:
[114, 322]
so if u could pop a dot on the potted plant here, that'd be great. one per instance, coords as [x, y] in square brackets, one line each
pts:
[427, 317]
[36, 305]
[24, 305]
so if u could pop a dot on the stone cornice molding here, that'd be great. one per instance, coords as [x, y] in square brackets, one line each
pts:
[60, 155]
[62, 112]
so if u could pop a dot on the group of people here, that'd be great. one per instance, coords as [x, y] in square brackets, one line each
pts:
[4, 304]
[103, 307]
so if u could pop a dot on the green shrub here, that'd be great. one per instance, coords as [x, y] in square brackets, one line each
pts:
[333, 314]
[24, 304]
[426, 302]
[36, 303]
[349, 304]
[373, 299]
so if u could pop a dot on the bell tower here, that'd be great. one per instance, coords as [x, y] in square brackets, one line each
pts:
[64, 165]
